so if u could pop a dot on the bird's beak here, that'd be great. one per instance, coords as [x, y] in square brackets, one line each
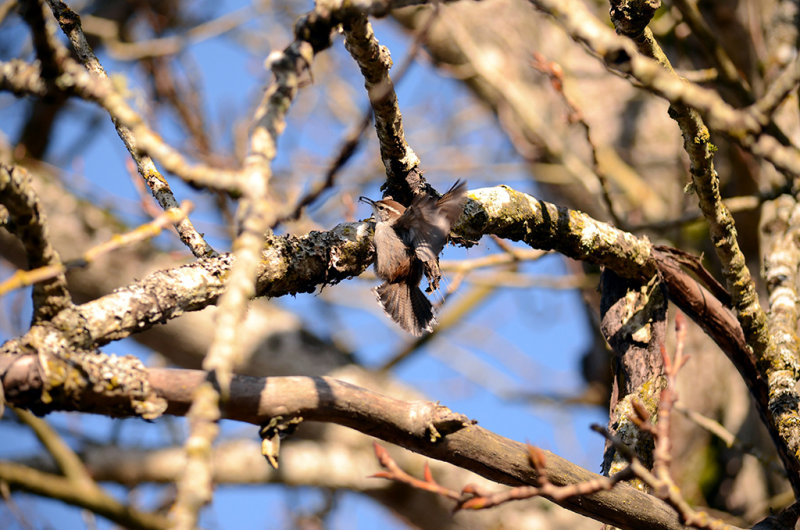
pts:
[370, 202]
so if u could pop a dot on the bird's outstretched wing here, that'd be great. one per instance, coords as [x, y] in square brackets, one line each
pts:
[425, 225]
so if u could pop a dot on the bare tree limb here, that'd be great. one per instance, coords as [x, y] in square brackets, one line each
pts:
[70, 23]
[290, 264]
[28, 222]
[374, 60]
[619, 55]
[423, 427]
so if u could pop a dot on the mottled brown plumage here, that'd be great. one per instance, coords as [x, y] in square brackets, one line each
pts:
[407, 245]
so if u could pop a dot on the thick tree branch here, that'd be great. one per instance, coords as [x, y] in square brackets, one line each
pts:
[697, 144]
[634, 322]
[291, 265]
[782, 405]
[423, 427]
[685, 105]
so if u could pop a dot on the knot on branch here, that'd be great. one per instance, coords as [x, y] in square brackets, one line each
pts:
[437, 420]
[406, 184]
[314, 28]
[78, 380]
[630, 17]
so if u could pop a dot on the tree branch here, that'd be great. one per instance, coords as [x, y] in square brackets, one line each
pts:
[70, 23]
[28, 222]
[422, 427]
[744, 126]
[67, 490]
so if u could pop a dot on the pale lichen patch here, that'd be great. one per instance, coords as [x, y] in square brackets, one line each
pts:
[589, 235]
[493, 199]
[363, 230]
[782, 297]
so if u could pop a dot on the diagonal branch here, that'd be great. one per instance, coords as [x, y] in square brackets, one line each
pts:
[29, 224]
[70, 23]
[43, 275]
[744, 126]
[68, 462]
[374, 60]
[67, 490]
[408, 424]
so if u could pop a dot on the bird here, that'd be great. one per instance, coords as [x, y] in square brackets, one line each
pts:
[407, 244]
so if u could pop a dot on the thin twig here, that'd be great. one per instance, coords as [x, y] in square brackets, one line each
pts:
[556, 75]
[71, 25]
[731, 440]
[394, 472]
[29, 224]
[475, 497]
[777, 92]
[23, 278]
[492, 260]
[108, 32]
[725, 65]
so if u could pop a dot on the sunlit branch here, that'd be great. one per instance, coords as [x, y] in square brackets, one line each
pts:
[423, 427]
[35, 276]
[71, 25]
[660, 480]
[620, 55]
[399, 159]
[28, 222]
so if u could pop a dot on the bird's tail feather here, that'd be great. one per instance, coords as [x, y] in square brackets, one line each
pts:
[407, 306]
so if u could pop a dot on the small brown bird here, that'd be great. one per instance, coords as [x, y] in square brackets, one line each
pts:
[407, 245]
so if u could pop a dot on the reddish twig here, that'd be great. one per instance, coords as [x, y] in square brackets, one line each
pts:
[476, 497]
[660, 480]
[394, 472]
[555, 74]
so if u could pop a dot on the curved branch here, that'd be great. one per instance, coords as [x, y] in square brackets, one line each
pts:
[28, 222]
[422, 427]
